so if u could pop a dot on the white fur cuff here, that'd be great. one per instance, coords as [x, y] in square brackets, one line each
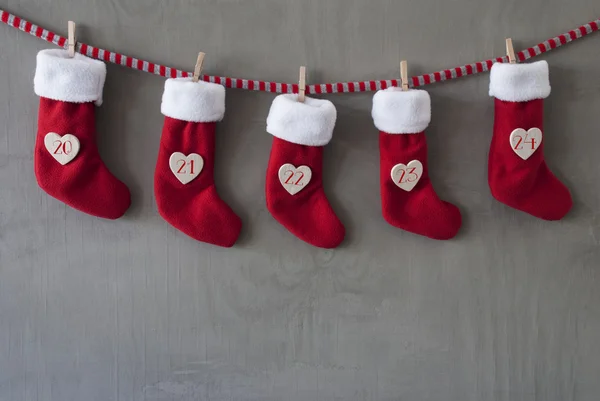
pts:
[198, 102]
[520, 82]
[78, 79]
[310, 123]
[401, 112]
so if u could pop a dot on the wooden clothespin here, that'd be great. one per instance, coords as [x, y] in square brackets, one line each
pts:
[510, 51]
[198, 67]
[404, 75]
[302, 85]
[71, 38]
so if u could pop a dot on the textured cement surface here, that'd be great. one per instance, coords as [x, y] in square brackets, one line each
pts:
[134, 310]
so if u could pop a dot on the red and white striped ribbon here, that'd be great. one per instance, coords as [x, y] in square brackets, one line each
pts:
[277, 87]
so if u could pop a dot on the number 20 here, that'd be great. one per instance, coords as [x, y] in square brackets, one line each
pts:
[62, 148]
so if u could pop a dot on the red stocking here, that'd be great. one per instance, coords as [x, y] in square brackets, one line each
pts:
[294, 186]
[184, 186]
[517, 173]
[67, 164]
[408, 199]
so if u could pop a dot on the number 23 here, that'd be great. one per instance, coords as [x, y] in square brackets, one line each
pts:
[410, 177]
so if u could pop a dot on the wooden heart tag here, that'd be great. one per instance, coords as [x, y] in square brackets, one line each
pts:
[406, 176]
[62, 148]
[525, 143]
[294, 179]
[186, 168]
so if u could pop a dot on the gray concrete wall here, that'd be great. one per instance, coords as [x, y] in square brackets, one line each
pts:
[135, 310]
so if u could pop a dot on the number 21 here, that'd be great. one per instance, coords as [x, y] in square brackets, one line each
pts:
[182, 169]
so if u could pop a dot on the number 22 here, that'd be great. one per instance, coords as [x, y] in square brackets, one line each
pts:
[292, 175]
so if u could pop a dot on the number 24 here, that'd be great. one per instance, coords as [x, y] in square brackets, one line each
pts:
[519, 145]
